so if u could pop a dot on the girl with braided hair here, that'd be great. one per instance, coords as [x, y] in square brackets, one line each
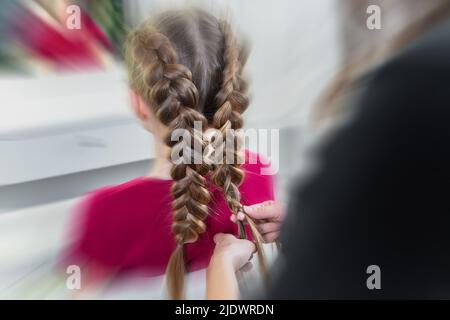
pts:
[185, 68]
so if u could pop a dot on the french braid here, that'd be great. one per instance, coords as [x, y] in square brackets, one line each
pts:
[174, 98]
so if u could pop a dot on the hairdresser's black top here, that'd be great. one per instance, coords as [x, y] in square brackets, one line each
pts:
[382, 196]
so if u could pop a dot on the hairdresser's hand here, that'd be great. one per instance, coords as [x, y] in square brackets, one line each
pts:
[268, 217]
[230, 255]
[233, 251]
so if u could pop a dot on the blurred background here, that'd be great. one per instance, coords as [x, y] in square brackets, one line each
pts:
[66, 126]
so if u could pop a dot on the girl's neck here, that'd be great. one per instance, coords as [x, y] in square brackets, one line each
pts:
[161, 164]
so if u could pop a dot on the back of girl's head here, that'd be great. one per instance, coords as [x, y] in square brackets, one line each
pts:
[198, 40]
[186, 65]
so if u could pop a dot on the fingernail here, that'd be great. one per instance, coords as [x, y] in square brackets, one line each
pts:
[216, 237]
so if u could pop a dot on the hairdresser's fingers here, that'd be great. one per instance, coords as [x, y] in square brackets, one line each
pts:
[268, 227]
[271, 237]
[268, 210]
[222, 237]
[218, 237]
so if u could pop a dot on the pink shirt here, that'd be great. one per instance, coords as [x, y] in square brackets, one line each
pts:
[128, 227]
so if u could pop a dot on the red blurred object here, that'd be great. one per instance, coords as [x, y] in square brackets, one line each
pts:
[62, 47]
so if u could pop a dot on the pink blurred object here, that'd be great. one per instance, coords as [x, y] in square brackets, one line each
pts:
[59, 46]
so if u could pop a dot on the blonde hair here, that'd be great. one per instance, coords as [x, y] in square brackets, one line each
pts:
[431, 13]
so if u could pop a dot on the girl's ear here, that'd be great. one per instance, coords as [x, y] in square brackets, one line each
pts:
[139, 106]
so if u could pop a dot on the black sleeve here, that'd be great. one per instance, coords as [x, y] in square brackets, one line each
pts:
[380, 196]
